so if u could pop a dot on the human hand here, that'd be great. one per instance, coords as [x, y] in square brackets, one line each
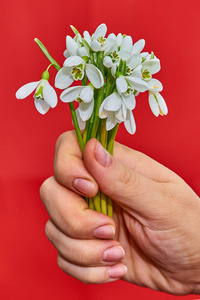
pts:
[156, 219]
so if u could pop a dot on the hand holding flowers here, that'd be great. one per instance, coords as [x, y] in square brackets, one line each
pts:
[113, 71]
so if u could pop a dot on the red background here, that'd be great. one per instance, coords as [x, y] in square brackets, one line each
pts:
[28, 268]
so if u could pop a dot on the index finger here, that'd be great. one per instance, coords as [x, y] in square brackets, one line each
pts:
[69, 168]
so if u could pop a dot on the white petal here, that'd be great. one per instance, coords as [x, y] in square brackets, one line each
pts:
[138, 46]
[96, 46]
[162, 104]
[155, 85]
[87, 94]
[137, 83]
[153, 65]
[66, 54]
[130, 123]
[113, 70]
[102, 113]
[100, 31]
[26, 89]
[94, 75]
[134, 60]
[83, 52]
[126, 45]
[120, 115]
[137, 72]
[153, 104]
[41, 106]
[121, 85]
[129, 101]
[85, 110]
[63, 78]
[71, 45]
[87, 37]
[119, 39]
[73, 61]
[110, 122]
[112, 102]
[107, 62]
[81, 123]
[71, 93]
[50, 96]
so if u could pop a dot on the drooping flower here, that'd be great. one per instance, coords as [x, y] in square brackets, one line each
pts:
[75, 68]
[84, 95]
[44, 97]
[156, 101]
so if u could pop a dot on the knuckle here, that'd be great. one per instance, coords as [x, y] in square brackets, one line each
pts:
[45, 189]
[48, 230]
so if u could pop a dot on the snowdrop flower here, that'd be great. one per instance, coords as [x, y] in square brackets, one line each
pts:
[44, 97]
[75, 68]
[117, 108]
[84, 95]
[156, 101]
[97, 40]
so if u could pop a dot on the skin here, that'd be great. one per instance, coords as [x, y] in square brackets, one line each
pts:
[153, 239]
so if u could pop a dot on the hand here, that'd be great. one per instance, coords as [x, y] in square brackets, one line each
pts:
[153, 239]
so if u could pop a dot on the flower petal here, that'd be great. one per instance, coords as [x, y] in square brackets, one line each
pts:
[71, 45]
[153, 65]
[87, 37]
[63, 78]
[50, 96]
[137, 83]
[96, 46]
[134, 60]
[41, 106]
[121, 85]
[110, 122]
[87, 94]
[100, 31]
[138, 46]
[26, 89]
[73, 61]
[107, 62]
[94, 75]
[81, 123]
[129, 123]
[102, 113]
[155, 85]
[153, 104]
[126, 45]
[85, 110]
[71, 94]
[162, 104]
[129, 101]
[113, 102]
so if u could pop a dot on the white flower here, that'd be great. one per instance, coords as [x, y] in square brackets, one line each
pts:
[156, 101]
[117, 108]
[157, 104]
[97, 40]
[74, 69]
[44, 97]
[84, 95]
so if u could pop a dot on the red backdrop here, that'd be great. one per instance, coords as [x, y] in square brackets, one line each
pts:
[28, 268]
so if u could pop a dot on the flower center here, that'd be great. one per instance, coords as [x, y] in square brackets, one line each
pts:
[77, 72]
[146, 75]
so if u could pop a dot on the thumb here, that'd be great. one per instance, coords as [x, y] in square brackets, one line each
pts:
[131, 190]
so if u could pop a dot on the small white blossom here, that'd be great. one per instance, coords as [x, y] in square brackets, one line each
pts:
[44, 97]
[84, 95]
[74, 69]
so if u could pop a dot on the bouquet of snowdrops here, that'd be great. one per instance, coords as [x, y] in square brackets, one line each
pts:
[111, 72]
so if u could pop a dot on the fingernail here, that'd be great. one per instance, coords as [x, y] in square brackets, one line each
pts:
[104, 232]
[117, 271]
[102, 156]
[113, 254]
[83, 185]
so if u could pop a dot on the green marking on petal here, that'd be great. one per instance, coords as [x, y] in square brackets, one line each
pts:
[77, 72]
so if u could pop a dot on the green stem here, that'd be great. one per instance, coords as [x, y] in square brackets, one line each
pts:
[46, 53]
